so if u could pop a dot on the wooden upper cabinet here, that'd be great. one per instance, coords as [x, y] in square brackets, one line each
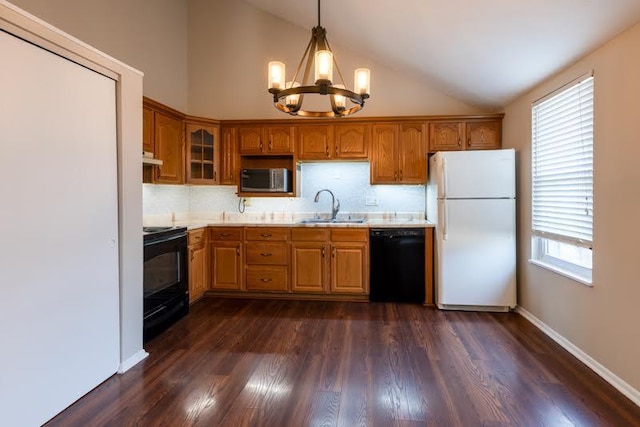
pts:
[314, 142]
[412, 154]
[384, 157]
[202, 148]
[279, 139]
[266, 140]
[168, 148]
[250, 140]
[446, 136]
[147, 130]
[485, 135]
[399, 154]
[229, 161]
[352, 141]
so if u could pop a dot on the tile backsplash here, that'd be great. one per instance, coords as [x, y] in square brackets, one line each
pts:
[349, 181]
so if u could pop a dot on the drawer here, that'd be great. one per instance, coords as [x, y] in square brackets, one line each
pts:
[349, 234]
[197, 237]
[309, 234]
[267, 234]
[267, 278]
[267, 253]
[226, 233]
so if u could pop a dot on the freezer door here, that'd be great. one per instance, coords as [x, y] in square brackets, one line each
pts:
[477, 174]
[475, 253]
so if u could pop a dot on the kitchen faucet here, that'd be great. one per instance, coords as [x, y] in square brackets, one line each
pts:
[335, 203]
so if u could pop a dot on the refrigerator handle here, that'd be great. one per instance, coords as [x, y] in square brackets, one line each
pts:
[444, 220]
[443, 178]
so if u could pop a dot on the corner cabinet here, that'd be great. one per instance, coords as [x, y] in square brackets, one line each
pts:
[399, 154]
[203, 146]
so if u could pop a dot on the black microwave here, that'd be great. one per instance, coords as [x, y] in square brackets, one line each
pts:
[274, 180]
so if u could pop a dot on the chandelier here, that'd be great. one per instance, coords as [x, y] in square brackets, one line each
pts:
[288, 97]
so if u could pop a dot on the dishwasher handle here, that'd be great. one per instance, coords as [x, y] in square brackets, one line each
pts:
[391, 233]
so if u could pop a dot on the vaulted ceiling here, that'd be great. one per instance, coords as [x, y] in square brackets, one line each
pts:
[485, 53]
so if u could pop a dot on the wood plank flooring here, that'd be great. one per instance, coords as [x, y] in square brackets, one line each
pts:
[307, 363]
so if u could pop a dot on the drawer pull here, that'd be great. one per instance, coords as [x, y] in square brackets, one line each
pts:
[225, 234]
[267, 254]
[265, 280]
[265, 235]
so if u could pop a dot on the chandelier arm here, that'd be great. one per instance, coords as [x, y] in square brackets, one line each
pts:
[306, 52]
[335, 63]
[313, 44]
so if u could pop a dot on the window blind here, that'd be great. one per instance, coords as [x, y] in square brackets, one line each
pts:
[562, 163]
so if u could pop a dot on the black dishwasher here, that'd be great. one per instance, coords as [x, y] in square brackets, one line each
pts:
[397, 264]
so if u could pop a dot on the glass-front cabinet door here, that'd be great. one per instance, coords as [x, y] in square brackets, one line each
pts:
[202, 154]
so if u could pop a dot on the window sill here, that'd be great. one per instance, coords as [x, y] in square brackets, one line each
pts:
[587, 281]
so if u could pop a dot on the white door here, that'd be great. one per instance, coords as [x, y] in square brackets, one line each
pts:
[59, 309]
[475, 261]
[477, 174]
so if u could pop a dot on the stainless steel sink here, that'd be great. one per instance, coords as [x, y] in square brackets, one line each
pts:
[331, 221]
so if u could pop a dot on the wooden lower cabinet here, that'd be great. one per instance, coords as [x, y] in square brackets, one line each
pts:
[310, 260]
[226, 258]
[273, 278]
[349, 261]
[198, 264]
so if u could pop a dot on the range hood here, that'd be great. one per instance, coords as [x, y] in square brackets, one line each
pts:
[147, 159]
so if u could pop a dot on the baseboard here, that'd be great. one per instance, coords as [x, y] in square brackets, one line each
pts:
[617, 382]
[132, 361]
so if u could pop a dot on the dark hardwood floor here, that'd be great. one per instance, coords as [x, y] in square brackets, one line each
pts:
[305, 363]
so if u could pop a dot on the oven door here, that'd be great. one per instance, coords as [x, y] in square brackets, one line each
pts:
[165, 272]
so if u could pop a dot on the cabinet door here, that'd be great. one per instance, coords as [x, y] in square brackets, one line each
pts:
[314, 142]
[147, 130]
[168, 148]
[251, 140]
[352, 141]
[202, 154]
[349, 268]
[484, 135]
[412, 154]
[229, 170]
[226, 262]
[384, 158]
[279, 139]
[309, 266]
[197, 272]
[446, 136]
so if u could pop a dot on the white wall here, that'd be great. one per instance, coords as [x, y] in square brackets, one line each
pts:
[231, 43]
[150, 35]
[601, 320]
[349, 181]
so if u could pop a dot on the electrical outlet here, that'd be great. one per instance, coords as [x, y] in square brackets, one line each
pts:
[371, 200]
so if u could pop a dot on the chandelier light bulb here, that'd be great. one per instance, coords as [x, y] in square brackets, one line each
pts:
[362, 81]
[324, 65]
[276, 75]
[291, 101]
[341, 101]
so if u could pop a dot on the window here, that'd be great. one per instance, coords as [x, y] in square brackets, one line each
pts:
[562, 184]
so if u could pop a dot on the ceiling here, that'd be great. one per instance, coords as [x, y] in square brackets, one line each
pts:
[484, 53]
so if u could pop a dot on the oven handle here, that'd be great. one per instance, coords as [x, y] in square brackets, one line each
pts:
[156, 311]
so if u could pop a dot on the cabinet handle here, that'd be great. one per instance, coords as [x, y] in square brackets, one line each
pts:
[459, 142]
[327, 150]
[323, 252]
[271, 143]
[261, 146]
[400, 174]
[157, 172]
[265, 235]
[395, 176]
[214, 175]
[333, 252]
[469, 141]
[238, 250]
[265, 255]
[262, 279]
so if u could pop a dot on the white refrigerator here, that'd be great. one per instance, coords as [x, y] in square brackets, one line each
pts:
[471, 199]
